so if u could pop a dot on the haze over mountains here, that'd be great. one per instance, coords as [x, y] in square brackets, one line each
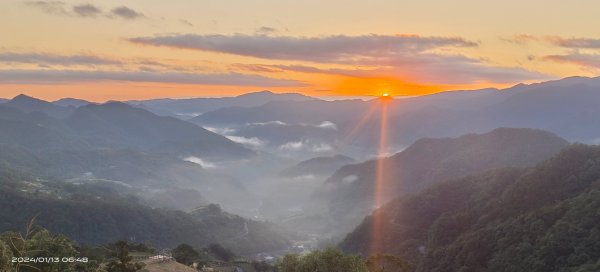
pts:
[299, 168]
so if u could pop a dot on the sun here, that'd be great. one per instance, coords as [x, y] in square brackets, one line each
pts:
[385, 95]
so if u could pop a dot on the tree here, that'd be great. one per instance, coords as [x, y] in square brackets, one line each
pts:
[5, 257]
[185, 254]
[328, 260]
[387, 263]
[122, 260]
[221, 252]
[39, 243]
[262, 266]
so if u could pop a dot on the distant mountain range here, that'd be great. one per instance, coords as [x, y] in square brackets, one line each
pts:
[112, 124]
[566, 107]
[187, 108]
[71, 102]
[540, 219]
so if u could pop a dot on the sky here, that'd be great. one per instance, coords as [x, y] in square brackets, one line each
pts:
[139, 49]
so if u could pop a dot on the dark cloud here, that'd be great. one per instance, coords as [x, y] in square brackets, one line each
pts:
[86, 10]
[71, 76]
[126, 13]
[53, 59]
[327, 49]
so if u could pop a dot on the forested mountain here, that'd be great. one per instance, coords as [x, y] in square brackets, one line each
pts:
[348, 194]
[116, 124]
[544, 218]
[92, 221]
[117, 142]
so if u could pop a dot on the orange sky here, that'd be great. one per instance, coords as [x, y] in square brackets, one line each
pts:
[103, 50]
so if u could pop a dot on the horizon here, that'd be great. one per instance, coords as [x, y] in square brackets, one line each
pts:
[51, 98]
[127, 50]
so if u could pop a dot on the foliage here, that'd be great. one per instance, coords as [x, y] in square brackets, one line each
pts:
[387, 263]
[39, 244]
[220, 252]
[533, 220]
[95, 222]
[262, 266]
[121, 260]
[185, 254]
[328, 260]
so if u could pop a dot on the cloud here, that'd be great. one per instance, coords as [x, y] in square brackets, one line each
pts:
[66, 76]
[86, 10]
[201, 162]
[255, 68]
[327, 125]
[292, 146]
[126, 13]
[520, 39]
[319, 148]
[222, 131]
[584, 60]
[186, 22]
[265, 30]
[50, 7]
[54, 59]
[327, 49]
[574, 43]
[296, 146]
[413, 57]
[349, 179]
[269, 123]
[431, 68]
[251, 142]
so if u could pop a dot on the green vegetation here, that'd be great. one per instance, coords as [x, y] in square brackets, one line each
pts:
[328, 260]
[387, 263]
[121, 261]
[539, 219]
[94, 222]
[186, 254]
[40, 250]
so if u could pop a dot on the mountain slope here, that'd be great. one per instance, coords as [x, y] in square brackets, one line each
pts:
[541, 219]
[94, 222]
[349, 193]
[29, 104]
[116, 124]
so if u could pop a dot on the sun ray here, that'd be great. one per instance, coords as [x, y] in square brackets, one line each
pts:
[379, 197]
